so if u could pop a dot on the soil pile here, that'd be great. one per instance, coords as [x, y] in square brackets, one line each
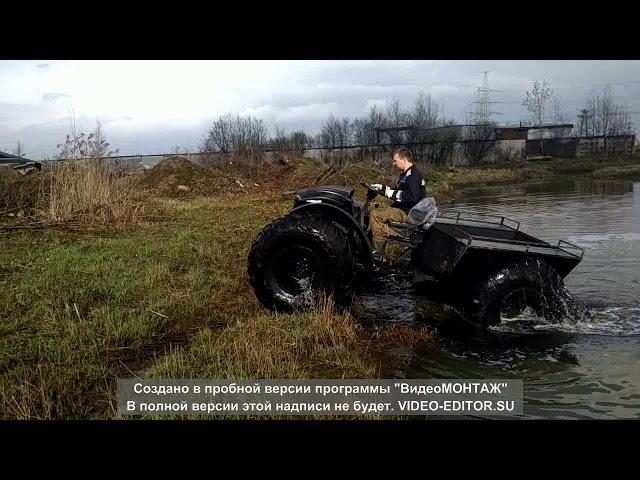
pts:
[178, 177]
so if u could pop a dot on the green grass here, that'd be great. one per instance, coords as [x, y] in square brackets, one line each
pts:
[596, 168]
[77, 309]
[172, 298]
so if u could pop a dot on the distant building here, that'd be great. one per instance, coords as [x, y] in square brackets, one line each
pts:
[549, 131]
[511, 133]
[620, 145]
[507, 142]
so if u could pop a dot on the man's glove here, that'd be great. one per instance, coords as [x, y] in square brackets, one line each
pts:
[383, 189]
[388, 192]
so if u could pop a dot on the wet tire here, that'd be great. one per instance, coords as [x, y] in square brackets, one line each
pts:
[296, 259]
[507, 291]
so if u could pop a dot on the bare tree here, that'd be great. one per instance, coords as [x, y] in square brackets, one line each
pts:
[242, 139]
[218, 139]
[603, 109]
[300, 140]
[18, 151]
[97, 143]
[424, 127]
[362, 134]
[421, 122]
[535, 102]
[285, 144]
[607, 118]
[328, 136]
[560, 117]
[365, 135]
[80, 145]
[371, 125]
[426, 112]
[439, 146]
[249, 138]
[74, 141]
[481, 143]
[365, 132]
[336, 133]
[345, 132]
[394, 116]
[622, 122]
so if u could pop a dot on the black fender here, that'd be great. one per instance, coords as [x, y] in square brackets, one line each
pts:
[347, 221]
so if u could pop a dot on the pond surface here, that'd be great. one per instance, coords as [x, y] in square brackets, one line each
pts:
[584, 369]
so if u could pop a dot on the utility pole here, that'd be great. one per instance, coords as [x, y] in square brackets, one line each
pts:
[584, 122]
[584, 126]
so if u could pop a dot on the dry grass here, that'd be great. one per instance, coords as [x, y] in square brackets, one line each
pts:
[19, 193]
[401, 336]
[86, 192]
[631, 172]
[90, 190]
[318, 344]
[486, 176]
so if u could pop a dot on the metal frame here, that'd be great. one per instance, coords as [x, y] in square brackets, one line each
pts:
[468, 238]
[571, 245]
[502, 218]
[527, 245]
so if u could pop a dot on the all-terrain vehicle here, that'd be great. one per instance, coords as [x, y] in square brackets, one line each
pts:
[485, 265]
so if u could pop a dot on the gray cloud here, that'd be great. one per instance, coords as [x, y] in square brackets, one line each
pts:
[52, 96]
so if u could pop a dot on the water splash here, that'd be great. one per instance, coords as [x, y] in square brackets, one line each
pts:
[618, 321]
[308, 297]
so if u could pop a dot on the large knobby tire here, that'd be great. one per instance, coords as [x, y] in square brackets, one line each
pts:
[296, 259]
[508, 290]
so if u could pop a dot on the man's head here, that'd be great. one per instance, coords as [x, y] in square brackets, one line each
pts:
[402, 158]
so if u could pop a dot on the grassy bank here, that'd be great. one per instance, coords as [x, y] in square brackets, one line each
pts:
[164, 298]
[597, 168]
[627, 172]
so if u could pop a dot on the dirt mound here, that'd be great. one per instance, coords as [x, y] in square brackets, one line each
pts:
[178, 177]
[308, 173]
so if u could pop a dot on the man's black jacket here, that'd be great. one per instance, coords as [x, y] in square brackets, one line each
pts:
[410, 190]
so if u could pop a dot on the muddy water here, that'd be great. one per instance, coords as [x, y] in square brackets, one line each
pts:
[588, 369]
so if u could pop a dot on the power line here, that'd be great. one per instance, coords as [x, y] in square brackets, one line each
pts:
[483, 111]
[519, 88]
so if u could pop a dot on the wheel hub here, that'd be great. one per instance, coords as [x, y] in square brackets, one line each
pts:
[302, 268]
[295, 269]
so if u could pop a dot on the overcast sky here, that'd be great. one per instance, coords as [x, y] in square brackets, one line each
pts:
[151, 106]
